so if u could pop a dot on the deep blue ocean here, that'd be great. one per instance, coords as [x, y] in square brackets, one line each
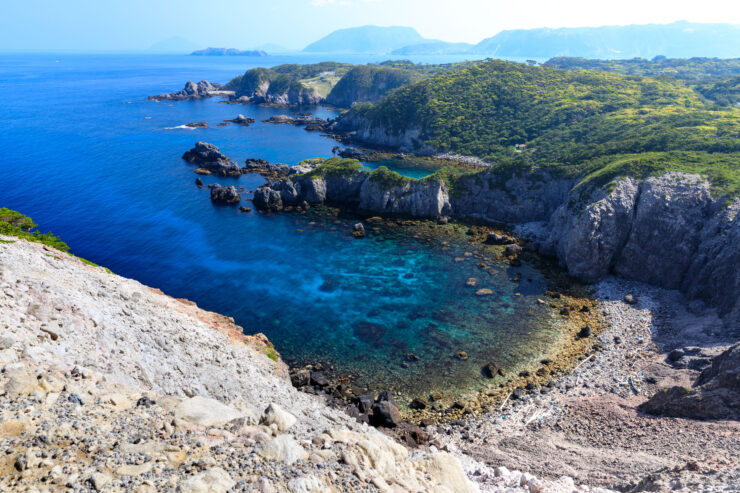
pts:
[86, 155]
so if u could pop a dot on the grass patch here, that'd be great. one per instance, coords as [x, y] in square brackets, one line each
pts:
[336, 167]
[272, 354]
[388, 179]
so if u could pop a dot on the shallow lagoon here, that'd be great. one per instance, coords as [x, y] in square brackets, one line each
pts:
[89, 158]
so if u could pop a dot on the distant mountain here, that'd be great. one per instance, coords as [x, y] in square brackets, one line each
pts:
[228, 52]
[434, 47]
[680, 40]
[366, 39]
[174, 45]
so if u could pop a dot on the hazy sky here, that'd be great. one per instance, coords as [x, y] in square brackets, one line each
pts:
[137, 24]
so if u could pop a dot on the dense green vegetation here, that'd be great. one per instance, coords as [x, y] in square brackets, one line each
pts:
[486, 110]
[335, 167]
[575, 123]
[13, 223]
[725, 92]
[686, 69]
[387, 178]
[716, 79]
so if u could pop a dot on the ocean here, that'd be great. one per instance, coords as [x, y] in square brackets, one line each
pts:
[86, 155]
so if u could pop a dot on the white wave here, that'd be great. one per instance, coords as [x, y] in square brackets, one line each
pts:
[180, 127]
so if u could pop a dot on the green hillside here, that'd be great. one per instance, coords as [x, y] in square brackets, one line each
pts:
[558, 116]
[716, 79]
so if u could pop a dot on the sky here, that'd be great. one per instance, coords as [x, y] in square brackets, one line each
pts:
[130, 25]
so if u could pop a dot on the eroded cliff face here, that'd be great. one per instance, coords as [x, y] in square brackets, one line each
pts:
[360, 130]
[513, 199]
[263, 93]
[667, 231]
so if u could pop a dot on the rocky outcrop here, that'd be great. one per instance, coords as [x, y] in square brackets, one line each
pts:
[715, 395]
[293, 96]
[241, 120]
[666, 230]
[359, 190]
[209, 157]
[202, 89]
[587, 237]
[225, 195]
[360, 130]
[299, 120]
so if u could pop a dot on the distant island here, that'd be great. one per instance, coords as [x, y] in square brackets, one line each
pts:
[227, 52]
[678, 40]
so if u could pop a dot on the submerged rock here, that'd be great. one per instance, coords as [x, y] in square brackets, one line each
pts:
[358, 230]
[494, 238]
[369, 332]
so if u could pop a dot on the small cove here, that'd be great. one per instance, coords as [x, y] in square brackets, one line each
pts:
[90, 159]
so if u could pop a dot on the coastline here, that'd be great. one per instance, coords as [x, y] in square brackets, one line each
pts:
[586, 425]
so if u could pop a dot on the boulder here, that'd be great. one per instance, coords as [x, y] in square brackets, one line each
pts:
[358, 230]
[241, 120]
[490, 370]
[364, 402]
[386, 414]
[214, 480]
[715, 395]
[511, 250]
[282, 419]
[226, 195]
[206, 412]
[283, 448]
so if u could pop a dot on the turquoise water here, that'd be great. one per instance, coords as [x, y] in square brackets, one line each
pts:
[88, 157]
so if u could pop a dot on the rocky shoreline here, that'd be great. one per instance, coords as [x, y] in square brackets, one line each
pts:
[588, 423]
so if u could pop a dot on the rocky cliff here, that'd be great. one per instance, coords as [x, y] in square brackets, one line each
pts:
[665, 230]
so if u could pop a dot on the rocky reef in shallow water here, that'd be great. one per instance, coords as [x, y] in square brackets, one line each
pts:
[202, 89]
[665, 230]
[210, 158]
